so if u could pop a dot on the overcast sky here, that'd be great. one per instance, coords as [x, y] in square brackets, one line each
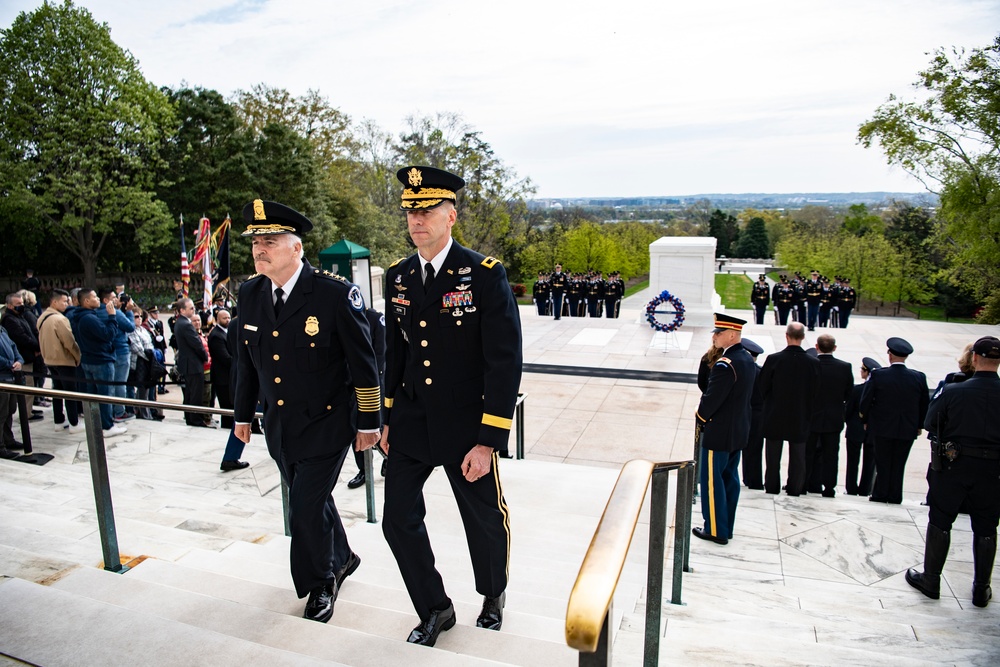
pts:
[620, 98]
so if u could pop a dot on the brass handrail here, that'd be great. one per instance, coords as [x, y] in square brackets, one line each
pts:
[590, 602]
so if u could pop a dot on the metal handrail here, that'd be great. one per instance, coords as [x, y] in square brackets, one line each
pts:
[589, 612]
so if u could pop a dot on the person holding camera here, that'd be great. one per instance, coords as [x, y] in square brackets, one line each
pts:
[965, 468]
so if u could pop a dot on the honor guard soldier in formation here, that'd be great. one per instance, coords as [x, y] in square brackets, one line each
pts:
[847, 299]
[595, 295]
[760, 298]
[453, 368]
[557, 281]
[304, 351]
[825, 302]
[575, 295]
[724, 416]
[965, 473]
[540, 293]
[614, 290]
[784, 300]
[814, 295]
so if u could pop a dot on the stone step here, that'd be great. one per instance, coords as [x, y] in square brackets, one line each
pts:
[361, 645]
[281, 600]
[45, 626]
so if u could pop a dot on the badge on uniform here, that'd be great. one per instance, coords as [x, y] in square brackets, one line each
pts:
[357, 301]
[401, 288]
[312, 325]
[465, 279]
[400, 300]
[457, 299]
[250, 327]
[464, 270]
[399, 278]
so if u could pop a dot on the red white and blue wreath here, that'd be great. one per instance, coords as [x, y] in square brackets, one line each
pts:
[677, 312]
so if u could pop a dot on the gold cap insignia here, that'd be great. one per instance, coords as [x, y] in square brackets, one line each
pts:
[414, 176]
[258, 210]
[312, 325]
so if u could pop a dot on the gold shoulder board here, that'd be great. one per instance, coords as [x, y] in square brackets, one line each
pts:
[490, 262]
[396, 262]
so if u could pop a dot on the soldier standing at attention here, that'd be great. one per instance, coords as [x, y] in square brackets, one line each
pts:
[558, 282]
[305, 350]
[893, 404]
[574, 294]
[595, 295]
[814, 296]
[613, 293]
[540, 293]
[825, 302]
[453, 368]
[760, 298]
[724, 415]
[784, 300]
[847, 299]
[965, 469]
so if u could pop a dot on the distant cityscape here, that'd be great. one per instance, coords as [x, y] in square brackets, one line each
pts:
[793, 200]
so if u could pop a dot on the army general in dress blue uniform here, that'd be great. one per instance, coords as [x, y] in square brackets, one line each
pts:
[724, 413]
[453, 368]
[305, 351]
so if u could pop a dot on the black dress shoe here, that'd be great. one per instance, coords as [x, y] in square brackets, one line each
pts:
[703, 534]
[829, 494]
[875, 499]
[491, 617]
[427, 632]
[15, 446]
[349, 567]
[7, 454]
[320, 604]
[233, 465]
[359, 480]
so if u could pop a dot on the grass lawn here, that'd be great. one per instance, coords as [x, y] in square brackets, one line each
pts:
[734, 289]
[936, 314]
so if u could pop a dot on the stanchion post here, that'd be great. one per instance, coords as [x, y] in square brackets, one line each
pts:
[102, 487]
[654, 568]
[370, 485]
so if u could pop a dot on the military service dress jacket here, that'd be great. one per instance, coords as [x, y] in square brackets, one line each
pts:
[453, 357]
[313, 368]
[725, 406]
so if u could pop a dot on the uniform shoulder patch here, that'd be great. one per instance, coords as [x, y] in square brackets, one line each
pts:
[490, 262]
[724, 360]
[396, 262]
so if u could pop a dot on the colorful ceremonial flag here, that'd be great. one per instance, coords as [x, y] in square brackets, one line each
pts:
[185, 270]
[220, 244]
[203, 254]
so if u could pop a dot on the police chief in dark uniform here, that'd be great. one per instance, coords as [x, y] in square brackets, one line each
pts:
[305, 350]
[724, 413]
[965, 470]
[893, 405]
[453, 368]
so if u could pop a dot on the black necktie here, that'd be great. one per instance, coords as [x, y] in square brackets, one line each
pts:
[279, 301]
[428, 276]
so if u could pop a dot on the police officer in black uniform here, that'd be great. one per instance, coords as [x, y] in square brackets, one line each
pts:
[760, 297]
[860, 446]
[453, 368]
[965, 469]
[304, 349]
[724, 416]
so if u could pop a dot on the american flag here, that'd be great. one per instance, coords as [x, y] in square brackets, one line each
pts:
[185, 270]
[203, 254]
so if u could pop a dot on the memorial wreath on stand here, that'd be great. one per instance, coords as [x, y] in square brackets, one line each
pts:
[677, 312]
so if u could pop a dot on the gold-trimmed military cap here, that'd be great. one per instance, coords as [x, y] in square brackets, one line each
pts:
[267, 217]
[427, 187]
[727, 323]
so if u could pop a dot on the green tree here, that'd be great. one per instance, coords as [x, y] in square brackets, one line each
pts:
[726, 232]
[80, 134]
[950, 141]
[859, 221]
[586, 247]
[753, 241]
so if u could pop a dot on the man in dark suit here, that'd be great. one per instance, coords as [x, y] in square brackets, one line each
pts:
[753, 455]
[823, 445]
[222, 364]
[453, 368]
[190, 360]
[860, 448]
[724, 416]
[894, 404]
[789, 381]
[306, 353]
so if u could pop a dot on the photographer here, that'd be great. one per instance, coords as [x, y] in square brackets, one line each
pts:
[965, 468]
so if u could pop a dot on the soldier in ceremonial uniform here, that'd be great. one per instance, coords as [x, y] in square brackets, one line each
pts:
[453, 368]
[825, 301]
[965, 470]
[595, 295]
[540, 292]
[893, 405]
[305, 350]
[784, 300]
[760, 298]
[558, 283]
[814, 296]
[613, 293]
[860, 447]
[574, 293]
[724, 416]
[847, 299]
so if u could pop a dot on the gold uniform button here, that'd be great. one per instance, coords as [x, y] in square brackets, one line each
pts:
[428, 381]
[277, 380]
[280, 402]
[427, 362]
[277, 357]
[274, 333]
[423, 323]
[329, 407]
[423, 343]
[459, 323]
[312, 344]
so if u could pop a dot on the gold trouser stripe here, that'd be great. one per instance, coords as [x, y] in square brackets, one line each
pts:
[711, 493]
[502, 504]
[499, 422]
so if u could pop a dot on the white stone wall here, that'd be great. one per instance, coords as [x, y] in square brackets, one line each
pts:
[685, 265]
